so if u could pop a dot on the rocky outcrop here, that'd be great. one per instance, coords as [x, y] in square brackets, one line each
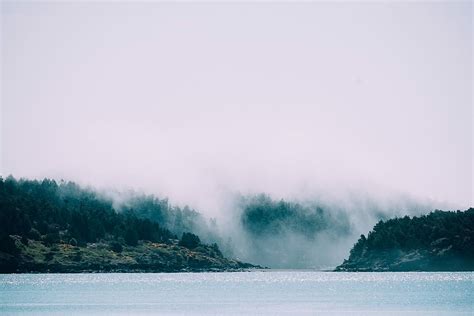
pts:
[35, 256]
[414, 260]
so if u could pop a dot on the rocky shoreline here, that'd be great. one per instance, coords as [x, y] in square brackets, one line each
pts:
[404, 261]
[35, 257]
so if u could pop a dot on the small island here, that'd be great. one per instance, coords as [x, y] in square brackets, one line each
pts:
[63, 228]
[439, 241]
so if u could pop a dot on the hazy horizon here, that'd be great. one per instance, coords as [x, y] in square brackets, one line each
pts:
[198, 102]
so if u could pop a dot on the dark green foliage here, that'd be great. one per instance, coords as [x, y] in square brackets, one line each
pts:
[359, 246]
[51, 238]
[73, 242]
[263, 216]
[116, 247]
[34, 234]
[49, 256]
[427, 231]
[66, 213]
[7, 244]
[131, 237]
[77, 256]
[51, 227]
[189, 241]
[176, 219]
[24, 240]
[437, 241]
[215, 247]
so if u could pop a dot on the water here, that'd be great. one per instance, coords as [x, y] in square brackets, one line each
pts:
[244, 293]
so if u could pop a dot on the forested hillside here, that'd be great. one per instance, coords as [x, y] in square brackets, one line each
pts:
[284, 234]
[65, 212]
[439, 241]
[60, 226]
[176, 219]
[63, 227]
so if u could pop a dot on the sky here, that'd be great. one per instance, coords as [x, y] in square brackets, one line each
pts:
[196, 101]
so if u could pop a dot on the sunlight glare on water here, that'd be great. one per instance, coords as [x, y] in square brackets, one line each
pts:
[257, 293]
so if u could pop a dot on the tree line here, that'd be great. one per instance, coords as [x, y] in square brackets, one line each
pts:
[453, 231]
[65, 212]
[261, 215]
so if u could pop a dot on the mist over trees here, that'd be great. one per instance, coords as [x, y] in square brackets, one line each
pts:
[258, 229]
[178, 220]
[65, 212]
[46, 226]
[263, 216]
[314, 232]
[283, 234]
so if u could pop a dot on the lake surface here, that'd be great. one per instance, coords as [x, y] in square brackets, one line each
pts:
[244, 293]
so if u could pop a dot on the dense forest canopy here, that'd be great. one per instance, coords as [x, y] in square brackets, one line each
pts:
[266, 231]
[176, 219]
[262, 230]
[437, 241]
[64, 212]
[421, 231]
[46, 226]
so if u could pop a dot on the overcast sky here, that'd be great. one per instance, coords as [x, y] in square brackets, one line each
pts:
[193, 100]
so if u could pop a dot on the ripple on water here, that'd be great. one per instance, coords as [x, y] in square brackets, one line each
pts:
[268, 292]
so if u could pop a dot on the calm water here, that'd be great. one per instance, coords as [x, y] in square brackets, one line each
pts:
[257, 293]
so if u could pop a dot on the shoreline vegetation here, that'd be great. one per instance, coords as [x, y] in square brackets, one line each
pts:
[53, 227]
[35, 257]
[439, 241]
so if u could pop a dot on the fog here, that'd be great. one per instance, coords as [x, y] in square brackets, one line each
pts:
[280, 242]
[203, 102]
